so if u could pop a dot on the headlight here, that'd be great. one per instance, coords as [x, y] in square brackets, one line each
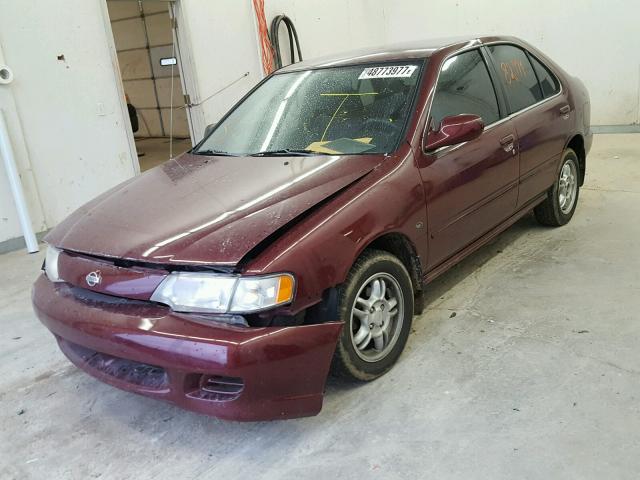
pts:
[205, 292]
[258, 293]
[51, 264]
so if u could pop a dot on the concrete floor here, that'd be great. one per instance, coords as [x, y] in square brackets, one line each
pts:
[537, 375]
[156, 150]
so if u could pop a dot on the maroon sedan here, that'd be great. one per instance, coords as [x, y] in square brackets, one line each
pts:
[299, 235]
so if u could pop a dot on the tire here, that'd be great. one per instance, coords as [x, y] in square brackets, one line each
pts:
[357, 358]
[557, 209]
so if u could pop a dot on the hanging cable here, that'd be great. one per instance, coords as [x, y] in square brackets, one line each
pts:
[263, 38]
[293, 37]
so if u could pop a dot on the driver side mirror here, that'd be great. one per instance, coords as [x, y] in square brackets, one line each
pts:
[453, 130]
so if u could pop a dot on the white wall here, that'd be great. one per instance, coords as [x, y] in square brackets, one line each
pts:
[594, 40]
[222, 41]
[330, 26]
[69, 110]
[9, 224]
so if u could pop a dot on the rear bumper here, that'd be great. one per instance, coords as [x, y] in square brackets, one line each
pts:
[254, 373]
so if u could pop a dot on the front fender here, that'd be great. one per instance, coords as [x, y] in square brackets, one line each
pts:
[320, 249]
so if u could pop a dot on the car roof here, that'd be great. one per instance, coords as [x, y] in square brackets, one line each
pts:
[398, 51]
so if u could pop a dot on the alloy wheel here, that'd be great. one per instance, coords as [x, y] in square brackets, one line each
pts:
[567, 186]
[376, 317]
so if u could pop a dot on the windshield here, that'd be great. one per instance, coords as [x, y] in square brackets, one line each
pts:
[350, 110]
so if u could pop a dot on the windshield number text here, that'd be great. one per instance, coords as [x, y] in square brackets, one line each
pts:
[388, 71]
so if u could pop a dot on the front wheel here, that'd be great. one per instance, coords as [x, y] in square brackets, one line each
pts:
[376, 305]
[562, 197]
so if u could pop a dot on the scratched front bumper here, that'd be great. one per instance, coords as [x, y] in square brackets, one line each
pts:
[282, 370]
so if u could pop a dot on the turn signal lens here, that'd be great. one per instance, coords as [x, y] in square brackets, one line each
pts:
[258, 293]
[285, 289]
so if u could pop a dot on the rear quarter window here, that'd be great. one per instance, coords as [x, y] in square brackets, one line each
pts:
[548, 81]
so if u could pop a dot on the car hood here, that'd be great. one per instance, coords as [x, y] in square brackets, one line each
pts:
[205, 210]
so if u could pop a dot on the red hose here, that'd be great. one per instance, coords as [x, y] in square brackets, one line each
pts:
[263, 35]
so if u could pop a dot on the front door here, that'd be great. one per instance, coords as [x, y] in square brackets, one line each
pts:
[471, 187]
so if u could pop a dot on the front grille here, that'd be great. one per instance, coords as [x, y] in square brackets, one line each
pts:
[135, 373]
[217, 388]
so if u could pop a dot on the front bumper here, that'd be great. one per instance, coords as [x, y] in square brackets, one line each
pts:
[230, 372]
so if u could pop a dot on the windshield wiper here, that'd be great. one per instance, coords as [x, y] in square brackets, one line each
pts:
[215, 152]
[302, 152]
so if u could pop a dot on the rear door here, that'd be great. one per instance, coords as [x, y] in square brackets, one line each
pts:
[540, 114]
[470, 187]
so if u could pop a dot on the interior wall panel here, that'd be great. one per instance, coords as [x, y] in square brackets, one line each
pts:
[134, 64]
[158, 27]
[128, 33]
[123, 9]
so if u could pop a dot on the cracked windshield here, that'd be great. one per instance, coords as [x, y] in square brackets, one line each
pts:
[340, 110]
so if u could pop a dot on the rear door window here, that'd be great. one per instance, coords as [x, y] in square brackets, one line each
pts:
[548, 81]
[464, 86]
[517, 76]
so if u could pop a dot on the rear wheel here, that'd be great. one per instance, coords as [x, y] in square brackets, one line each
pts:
[376, 305]
[562, 197]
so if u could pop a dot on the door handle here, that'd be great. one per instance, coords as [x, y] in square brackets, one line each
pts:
[564, 111]
[506, 140]
[507, 143]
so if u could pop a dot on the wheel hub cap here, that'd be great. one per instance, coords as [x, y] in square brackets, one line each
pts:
[376, 317]
[567, 186]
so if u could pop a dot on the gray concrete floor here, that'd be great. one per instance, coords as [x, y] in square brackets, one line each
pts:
[537, 375]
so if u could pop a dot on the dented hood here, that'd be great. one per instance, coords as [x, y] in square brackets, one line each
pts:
[205, 210]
